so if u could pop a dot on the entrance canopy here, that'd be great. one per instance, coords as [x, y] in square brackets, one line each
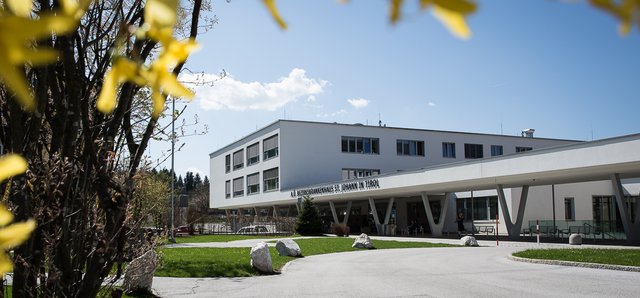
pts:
[584, 162]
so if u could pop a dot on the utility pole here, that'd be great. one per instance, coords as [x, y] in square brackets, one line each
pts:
[173, 173]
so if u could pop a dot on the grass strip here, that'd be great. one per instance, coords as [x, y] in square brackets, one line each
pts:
[625, 257]
[220, 238]
[234, 262]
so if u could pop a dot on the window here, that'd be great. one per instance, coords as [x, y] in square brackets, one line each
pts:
[358, 173]
[484, 208]
[496, 150]
[238, 159]
[473, 151]
[270, 179]
[227, 189]
[238, 187]
[270, 147]
[253, 154]
[253, 183]
[360, 145]
[569, 210]
[449, 150]
[227, 163]
[411, 148]
[523, 149]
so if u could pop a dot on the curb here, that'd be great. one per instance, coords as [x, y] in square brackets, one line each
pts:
[576, 264]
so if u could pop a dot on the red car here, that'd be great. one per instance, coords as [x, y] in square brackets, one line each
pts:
[183, 230]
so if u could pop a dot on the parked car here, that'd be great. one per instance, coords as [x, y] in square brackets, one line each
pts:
[253, 230]
[183, 230]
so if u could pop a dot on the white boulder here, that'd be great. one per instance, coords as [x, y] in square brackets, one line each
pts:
[468, 241]
[288, 247]
[363, 241]
[575, 239]
[261, 259]
[138, 276]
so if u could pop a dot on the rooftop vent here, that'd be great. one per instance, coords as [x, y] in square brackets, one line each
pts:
[528, 133]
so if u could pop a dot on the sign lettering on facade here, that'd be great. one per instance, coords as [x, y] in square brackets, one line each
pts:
[337, 188]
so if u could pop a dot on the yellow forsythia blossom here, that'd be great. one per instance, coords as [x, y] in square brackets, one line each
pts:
[18, 31]
[160, 18]
[451, 13]
[14, 234]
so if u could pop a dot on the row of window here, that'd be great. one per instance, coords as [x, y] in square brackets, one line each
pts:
[269, 150]
[367, 145]
[476, 150]
[358, 173]
[270, 182]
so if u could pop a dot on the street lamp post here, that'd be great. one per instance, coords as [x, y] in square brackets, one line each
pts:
[173, 146]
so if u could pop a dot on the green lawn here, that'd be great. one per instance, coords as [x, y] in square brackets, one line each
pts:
[234, 262]
[220, 238]
[627, 257]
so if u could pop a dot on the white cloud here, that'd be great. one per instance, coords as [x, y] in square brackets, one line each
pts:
[229, 93]
[431, 104]
[358, 103]
[336, 113]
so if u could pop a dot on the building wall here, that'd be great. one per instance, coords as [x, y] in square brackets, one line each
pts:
[311, 151]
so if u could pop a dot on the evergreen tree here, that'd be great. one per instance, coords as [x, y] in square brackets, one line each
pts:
[197, 182]
[308, 221]
[179, 183]
[206, 182]
[188, 182]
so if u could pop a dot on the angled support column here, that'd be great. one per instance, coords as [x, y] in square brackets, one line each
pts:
[387, 216]
[333, 212]
[436, 228]
[372, 206]
[275, 211]
[513, 229]
[631, 229]
[345, 220]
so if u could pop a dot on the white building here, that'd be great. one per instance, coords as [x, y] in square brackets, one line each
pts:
[354, 170]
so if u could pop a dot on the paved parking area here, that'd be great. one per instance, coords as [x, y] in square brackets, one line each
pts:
[425, 272]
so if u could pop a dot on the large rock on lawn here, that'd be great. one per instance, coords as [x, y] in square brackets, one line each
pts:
[138, 276]
[575, 239]
[468, 241]
[288, 247]
[363, 241]
[261, 259]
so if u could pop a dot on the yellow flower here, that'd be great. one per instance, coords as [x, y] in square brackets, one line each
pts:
[16, 35]
[12, 235]
[454, 21]
[626, 11]
[271, 5]
[11, 165]
[157, 76]
[20, 7]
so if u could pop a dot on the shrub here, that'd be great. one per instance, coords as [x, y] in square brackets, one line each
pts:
[308, 221]
[340, 229]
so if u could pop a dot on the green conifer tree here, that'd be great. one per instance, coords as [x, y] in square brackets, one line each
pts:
[309, 221]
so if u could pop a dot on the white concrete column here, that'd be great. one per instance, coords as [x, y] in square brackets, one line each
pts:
[333, 212]
[387, 216]
[374, 211]
[631, 229]
[345, 220]
[513, 229]
[275, 211]
[436, 228]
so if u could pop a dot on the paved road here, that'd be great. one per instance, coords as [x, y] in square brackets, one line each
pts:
[423, 272]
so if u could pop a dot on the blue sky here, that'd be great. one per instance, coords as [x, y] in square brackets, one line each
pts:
[558, 67]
